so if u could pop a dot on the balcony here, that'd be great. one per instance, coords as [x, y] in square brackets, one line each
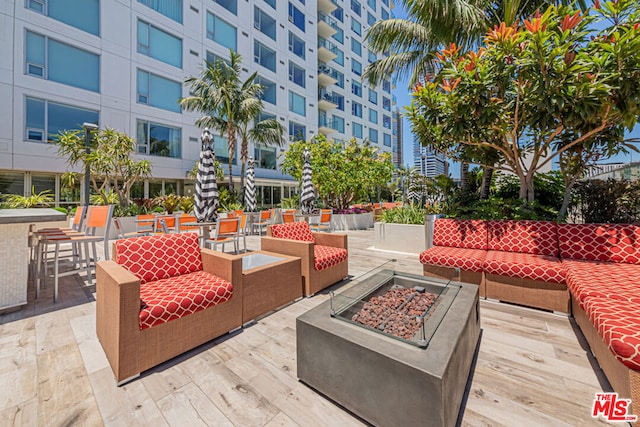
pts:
[326, 25]
[327, 76]
[326, 6]
[327, 51]
[326, 126]
[326, 100]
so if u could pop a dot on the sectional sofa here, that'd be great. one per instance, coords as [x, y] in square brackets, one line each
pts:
[591, 271]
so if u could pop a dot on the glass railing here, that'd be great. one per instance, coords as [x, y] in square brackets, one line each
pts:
[322, 42]
[328, 19]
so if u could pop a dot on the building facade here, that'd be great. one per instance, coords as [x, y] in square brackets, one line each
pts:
[429, 162]
[398, 140]
[122, 64]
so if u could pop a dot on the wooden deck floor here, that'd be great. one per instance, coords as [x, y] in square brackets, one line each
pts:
[533, 368]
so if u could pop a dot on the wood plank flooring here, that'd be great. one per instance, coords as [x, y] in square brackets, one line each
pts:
[533, 368]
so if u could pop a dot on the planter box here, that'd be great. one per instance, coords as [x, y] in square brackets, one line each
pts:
[400, 237]
[360, 221]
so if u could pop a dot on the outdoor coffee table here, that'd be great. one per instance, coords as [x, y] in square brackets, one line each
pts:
[269, 280]
[415, 379]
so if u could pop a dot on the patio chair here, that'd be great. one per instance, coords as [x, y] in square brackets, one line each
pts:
[145, 224]
[263, 221]
[184, 219]
[288, 216]
[322, 222]
[227, 230]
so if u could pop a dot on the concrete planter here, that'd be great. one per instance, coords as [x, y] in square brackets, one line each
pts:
[360, 221]
[400, 237]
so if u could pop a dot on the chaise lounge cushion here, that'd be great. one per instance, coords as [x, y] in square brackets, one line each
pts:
[600, 242]
[532, 237]
[526, 266]
[460, 233]
[465, 259]
[171, 298]
[293, 230]
[618, 324]
[327, 256]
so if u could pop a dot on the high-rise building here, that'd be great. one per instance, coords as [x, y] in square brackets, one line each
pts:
[398, 158]
[122, 65]
[428, 162]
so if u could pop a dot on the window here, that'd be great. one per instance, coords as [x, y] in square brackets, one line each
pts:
[356, 67]
[340, 79]
[371, 57]
[386, 86]
[45, 119]
[356, 47]
[221, 148]
[356, 130]
[269, 90]
[339, 100]
[265, 157]
[373, 136]
[296, 45]
[373, 96]
[157, 44]
[159, 140]
[296, 17]
[355, 6]
[386, 103]
[264, 56]
[212, 58]
[49, 59]
[271, 3]
[221, 32]
[339, 35]
[338, 13]
[172, 9]
[373, 116]
[356, 88]
[372, 4]
[297, 103]
[386, 138]
[264, 23]
[386, 121]
[296, 74]
[356, 26]
[158, 92]
[356, 109]
[338, 123]
[297, 131]
[340, 58]
[85, 15]
[230, 5]
[385, 2]
[385, 14]
[370, 19]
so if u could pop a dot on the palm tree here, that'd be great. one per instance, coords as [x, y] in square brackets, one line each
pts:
[223, 99]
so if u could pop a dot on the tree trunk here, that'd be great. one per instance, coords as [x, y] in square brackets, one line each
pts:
[464, 177]
[487, 175]
[566, 200]
[232, 149]
[526, 187]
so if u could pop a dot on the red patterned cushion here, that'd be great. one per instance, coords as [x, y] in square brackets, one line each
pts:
[293, 230]
[460, 233]
[618, 323]
[151, 258]
[327, 256]
[465, 259]
[532, 237]
[587, 279]
[168, 299]
[544, 268]
[600, 242]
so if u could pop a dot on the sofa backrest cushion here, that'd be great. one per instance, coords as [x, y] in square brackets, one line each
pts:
[530, 237]
[293, 230]
[152, 258]
[600, 242]
[460, 233]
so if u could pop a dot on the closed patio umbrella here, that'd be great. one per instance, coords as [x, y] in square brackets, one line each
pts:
[206, 194]
[308, 197]
[250, 188]
[412, 195]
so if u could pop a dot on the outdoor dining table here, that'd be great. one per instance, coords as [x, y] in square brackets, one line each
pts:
[306, 216]
[205, 228]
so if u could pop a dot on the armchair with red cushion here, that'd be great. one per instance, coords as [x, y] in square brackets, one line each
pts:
[324, 256]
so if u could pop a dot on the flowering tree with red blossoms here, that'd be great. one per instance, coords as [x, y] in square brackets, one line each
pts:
[547, 89]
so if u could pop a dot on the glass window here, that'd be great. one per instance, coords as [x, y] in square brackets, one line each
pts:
[340, 79]
[356, 67]
[157, 44]
[373, 116]
[271, 3]
[296, 16]
[85, 14]
[170, 8]
[46, 119]
[296, 45]
[356, 88]
[371, 57]
[385, 2]
[264, 56]
[41, 183]
[384, 13]
[373, 96]
[356, 109]
[356, 26]
[265, 157]
[297, 103]
[297, 132]
[212, 58]
[296, 74]
[386, 121]
[338, 13]
[50, 59]
[356, 131]
[356, 47]
[339, 100]
[338, 123]
[370, 19]
[340, 58]
[159, 140]
[230, 5]
[11, 183]
[372, 4]
[355, 6]
[264, 23]
[221, 32]
[221, 148]
[339, 35]
[386, 86]
[158, 92]
[269, 90]
[373, 136]
[386, 103]
[386, 138]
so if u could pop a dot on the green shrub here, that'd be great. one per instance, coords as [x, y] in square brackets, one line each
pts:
[36, 200]
[61, 209]
[410, 214]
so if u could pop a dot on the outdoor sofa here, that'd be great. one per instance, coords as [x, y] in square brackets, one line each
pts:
[589, 270]
[161, 296]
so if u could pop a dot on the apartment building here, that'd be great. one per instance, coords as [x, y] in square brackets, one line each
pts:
[428, 162]
[121, 64]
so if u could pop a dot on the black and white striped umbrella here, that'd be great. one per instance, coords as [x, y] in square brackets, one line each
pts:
[308, 197]
[412, 194]
[206, 196]
[250, 188]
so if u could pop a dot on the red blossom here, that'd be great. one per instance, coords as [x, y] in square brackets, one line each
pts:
[597, 4]
[448, 86]
[569, 22]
